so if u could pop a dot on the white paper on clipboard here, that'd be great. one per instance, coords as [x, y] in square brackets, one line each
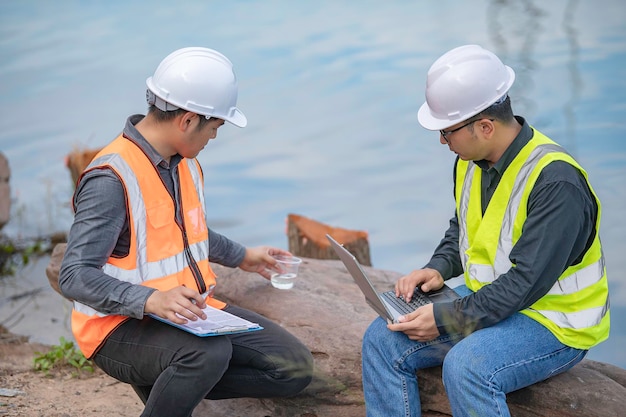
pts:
[217, 323]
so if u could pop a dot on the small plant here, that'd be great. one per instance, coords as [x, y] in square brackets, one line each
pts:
[63, 355]
[14, 255]
[7, 253]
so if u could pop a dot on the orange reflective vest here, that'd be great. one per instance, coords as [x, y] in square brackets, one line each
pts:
[163, 253]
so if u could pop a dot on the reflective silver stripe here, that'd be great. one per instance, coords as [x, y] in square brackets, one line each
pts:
[85, 309]
[482, 273]
[579, 280]
[138, 208]
[571, 284]
[135, 201]
[157, 269]
[577, 320]
[505, 245]
[463, 208]
[198, 183]
[133, 277]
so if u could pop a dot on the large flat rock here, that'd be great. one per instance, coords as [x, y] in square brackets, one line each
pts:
[327, 312]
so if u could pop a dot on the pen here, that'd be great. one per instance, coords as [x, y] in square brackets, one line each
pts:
[231, 329]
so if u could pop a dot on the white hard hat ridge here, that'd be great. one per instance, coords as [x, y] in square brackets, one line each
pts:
[462, 83]
[200, 80]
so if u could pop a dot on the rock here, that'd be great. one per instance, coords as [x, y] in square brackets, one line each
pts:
[327, 312]
[52, 270]
[8, 392]
[590, 389]
[5, 191]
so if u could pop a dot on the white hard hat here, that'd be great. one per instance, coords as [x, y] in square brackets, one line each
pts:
[198, 80]
[462, 83]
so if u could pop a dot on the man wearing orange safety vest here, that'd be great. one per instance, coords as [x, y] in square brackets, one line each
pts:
[140, 245]
[525, 237]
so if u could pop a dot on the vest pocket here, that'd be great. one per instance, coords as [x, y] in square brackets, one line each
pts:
[160, 214]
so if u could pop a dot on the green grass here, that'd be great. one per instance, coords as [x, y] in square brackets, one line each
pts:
[63, 355]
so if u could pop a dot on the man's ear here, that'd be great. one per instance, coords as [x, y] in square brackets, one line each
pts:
[487, 127]
[186, 120]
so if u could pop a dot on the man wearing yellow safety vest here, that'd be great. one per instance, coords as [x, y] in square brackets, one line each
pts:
[140, 245]
[525, 238]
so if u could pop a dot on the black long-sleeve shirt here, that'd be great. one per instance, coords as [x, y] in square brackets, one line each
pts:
[559, 228]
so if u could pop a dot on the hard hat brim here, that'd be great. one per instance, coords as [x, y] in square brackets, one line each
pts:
[429, 122]
[238, 118]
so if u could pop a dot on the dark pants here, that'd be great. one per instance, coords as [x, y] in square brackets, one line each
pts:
[172, 370]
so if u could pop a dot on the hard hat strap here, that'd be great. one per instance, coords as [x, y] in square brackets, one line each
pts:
[501, 99]
[158, 102]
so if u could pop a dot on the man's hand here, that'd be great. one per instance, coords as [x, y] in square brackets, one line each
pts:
[419, 325]
[176, 305]
[427, 279]
[261, 260]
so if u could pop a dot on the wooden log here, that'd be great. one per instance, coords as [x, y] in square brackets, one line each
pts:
[307, 238]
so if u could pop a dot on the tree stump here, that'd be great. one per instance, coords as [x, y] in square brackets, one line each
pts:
[307, 238]
[77, 160]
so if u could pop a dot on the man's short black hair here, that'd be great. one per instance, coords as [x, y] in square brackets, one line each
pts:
[165, 116]
[501, 111]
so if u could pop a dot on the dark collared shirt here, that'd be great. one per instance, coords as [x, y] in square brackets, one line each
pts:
[101, 229]
[559, 228]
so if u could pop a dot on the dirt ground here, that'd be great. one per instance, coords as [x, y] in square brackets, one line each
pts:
[59, 394]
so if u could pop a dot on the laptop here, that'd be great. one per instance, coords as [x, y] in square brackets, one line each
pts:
[386, 304]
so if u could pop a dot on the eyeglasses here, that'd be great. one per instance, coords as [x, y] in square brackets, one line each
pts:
[449, 132]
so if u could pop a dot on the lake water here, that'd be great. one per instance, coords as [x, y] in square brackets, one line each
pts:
[331, 90]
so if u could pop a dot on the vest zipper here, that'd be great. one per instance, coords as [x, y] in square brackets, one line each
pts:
[195, 271]
[192, 264]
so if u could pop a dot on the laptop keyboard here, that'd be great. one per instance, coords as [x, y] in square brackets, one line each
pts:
[402, 306]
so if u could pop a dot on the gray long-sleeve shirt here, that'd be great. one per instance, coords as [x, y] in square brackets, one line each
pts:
[559, 228]
[101, 229]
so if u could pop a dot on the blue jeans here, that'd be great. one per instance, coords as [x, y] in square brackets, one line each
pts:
[478, 370]
[172, 371]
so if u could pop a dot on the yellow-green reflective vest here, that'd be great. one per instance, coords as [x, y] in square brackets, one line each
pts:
[576, 309]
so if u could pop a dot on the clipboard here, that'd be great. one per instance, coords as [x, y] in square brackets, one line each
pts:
[217, 323]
